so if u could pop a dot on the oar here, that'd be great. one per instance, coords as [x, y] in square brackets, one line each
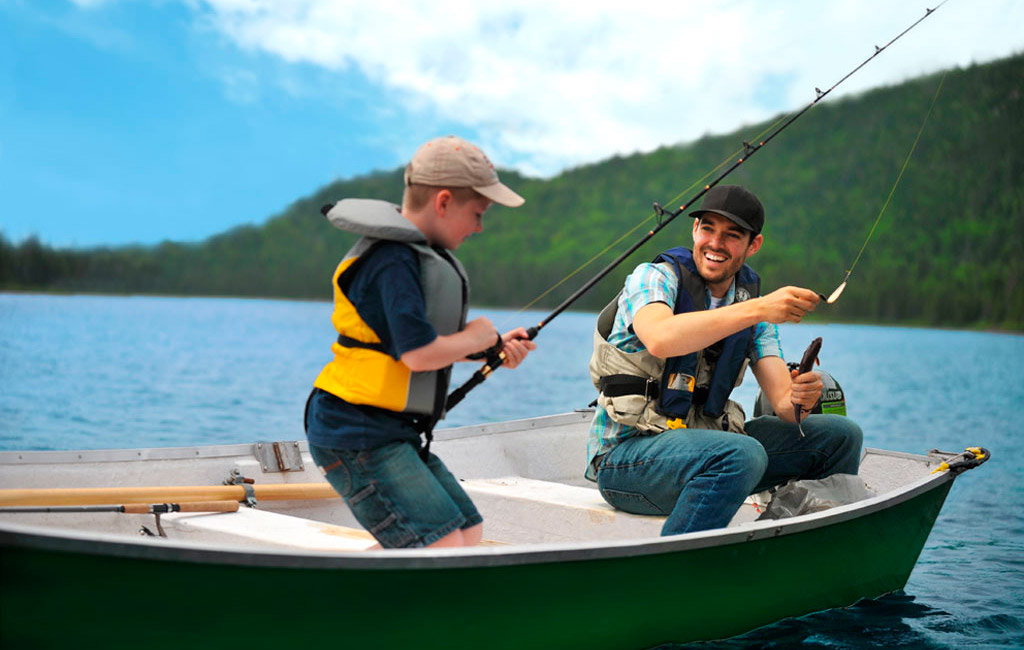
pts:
[135, 508]
[170, 494]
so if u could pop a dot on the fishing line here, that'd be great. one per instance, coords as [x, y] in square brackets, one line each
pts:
[639, 225]
[496, 358]
[842, 285]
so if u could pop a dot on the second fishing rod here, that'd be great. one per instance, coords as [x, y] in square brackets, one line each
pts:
[494, 358]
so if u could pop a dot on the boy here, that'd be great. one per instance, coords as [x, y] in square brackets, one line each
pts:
[400, 304]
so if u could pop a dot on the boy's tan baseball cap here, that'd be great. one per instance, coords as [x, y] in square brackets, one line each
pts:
[450, 161]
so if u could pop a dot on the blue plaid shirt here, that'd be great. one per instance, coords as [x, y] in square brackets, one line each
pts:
[657, 283]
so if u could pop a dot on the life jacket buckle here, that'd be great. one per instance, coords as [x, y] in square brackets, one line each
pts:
[649, 392]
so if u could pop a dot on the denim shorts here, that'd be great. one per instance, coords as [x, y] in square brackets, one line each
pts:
[402, 501]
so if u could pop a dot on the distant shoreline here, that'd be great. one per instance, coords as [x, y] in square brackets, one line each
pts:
[813, 320]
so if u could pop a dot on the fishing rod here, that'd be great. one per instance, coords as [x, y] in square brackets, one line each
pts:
[155, 509]
[494, 356]
[132, 508]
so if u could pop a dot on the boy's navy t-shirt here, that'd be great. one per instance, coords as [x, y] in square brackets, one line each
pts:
[387, 295]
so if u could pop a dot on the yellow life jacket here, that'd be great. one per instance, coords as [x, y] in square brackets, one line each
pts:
[361, 371]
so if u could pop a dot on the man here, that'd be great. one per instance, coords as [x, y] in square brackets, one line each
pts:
[666, 440]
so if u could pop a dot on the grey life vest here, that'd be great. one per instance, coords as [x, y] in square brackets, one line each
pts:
[643, 408]
[446, 295]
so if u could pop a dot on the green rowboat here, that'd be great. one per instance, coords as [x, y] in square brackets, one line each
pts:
[558, 567]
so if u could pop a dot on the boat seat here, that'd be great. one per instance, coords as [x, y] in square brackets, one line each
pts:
[254, 527]
[519, 510]
[251, 526]
[523, 510]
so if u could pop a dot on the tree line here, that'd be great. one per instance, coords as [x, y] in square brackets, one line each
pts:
[945, 252]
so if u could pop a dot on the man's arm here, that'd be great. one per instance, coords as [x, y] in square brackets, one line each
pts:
[665, 334]
[784, 388]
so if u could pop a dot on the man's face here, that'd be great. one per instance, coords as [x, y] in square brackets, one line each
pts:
[720, 248]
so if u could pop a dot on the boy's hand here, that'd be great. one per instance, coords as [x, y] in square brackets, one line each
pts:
[517, 346]
[481, 332]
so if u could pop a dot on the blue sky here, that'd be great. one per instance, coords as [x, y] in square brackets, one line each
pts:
[135, 121]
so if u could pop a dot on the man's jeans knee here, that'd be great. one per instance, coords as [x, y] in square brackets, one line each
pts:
[695, 478]
[832, 445]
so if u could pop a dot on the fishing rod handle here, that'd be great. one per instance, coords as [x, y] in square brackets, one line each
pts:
[188, 506]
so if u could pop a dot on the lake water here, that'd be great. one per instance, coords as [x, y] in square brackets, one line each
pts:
[84, 372]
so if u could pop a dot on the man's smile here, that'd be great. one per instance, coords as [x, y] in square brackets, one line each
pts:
[714, 257]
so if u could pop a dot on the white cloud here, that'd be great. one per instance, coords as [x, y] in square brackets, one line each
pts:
[550, 84]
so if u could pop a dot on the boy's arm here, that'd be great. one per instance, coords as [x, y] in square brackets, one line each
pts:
[443, 351]
[478, 335]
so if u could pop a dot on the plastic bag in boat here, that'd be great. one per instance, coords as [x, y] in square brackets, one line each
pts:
[802, 497]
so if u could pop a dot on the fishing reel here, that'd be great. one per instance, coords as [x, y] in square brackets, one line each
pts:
[490, 353]
[832, 400]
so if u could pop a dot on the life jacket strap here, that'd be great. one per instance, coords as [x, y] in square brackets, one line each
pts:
[619, 385]
[349, 342]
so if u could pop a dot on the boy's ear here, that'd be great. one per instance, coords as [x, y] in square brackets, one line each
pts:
[442, 201]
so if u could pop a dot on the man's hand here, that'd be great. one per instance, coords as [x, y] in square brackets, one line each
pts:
[787, 305]
[805, 390]
[517, 346]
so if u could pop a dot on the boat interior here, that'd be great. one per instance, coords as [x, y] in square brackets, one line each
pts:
[524, 476]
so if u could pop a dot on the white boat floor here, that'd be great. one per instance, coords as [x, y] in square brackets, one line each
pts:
[255, 527]
[516, 510]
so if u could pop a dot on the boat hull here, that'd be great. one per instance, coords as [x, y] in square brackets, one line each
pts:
[59, 590]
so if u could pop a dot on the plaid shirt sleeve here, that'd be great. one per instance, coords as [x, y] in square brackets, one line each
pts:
[646, 284]
[765, 343]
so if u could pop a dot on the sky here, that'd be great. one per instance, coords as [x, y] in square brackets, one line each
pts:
[139, 121]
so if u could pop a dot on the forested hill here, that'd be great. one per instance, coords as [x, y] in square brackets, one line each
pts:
[947, 252]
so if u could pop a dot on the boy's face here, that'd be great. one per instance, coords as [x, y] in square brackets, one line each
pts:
[460, 219]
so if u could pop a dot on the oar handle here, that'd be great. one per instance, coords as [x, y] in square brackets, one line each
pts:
[208, 506]
[163, 494]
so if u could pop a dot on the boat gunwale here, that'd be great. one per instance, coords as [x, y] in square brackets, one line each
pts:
[56, 456]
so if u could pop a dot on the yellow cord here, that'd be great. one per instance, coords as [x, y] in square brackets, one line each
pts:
[641, 224]
[898, 178]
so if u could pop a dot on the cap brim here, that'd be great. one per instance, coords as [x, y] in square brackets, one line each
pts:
[728, 215]
[501, 194]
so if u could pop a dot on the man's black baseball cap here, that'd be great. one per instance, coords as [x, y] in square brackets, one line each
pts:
[735, 203]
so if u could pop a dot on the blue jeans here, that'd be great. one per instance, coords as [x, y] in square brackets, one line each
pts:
[401, 500]
[699, 478]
